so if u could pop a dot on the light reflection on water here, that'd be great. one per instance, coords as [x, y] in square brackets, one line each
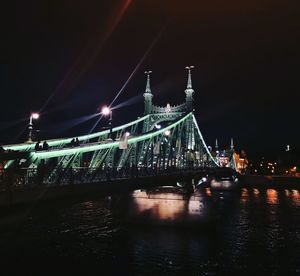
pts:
[272, 196]
[254, 232]
[244, 195]
[160, 208]
[295, 197]
[208, 191]
[256, 193]
[168, 205]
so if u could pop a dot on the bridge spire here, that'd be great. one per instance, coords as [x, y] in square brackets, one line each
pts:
[189, 91]
[189, 82]
[148, 87]
[148, 95]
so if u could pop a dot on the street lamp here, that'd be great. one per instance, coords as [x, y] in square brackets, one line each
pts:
[167, 132]
[106, 111]
[33, 116]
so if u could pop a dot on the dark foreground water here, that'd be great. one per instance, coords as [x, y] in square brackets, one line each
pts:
[252, 232]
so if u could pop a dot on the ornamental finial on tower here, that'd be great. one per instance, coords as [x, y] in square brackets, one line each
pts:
[148, 88]
[148, 95]
[189, 82]
[189, 91]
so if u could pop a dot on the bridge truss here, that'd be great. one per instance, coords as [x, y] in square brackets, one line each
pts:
[164, 139]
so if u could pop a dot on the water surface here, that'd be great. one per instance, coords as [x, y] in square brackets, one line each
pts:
[252, 232]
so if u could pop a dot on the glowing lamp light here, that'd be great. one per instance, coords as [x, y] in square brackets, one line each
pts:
[158, 126]
[127, 134]
[35, 116]
[105, 111]
[167, 132]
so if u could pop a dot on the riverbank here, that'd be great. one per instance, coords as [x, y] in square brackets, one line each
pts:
[271, 181]
[44, 193]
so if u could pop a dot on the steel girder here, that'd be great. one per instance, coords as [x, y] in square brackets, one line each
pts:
[93, 137]
[161, 148]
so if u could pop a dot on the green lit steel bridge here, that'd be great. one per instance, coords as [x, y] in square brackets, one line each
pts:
[165, 140]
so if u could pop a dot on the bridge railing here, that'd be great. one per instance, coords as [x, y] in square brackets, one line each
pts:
[20, 179]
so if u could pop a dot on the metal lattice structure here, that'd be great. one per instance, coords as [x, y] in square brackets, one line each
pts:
[164, 138]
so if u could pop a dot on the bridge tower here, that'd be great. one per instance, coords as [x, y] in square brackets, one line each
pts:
[216, 145]
[148, 95]
[231, 145]
[189, 91]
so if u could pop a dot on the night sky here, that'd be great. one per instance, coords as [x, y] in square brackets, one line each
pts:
[67, 58]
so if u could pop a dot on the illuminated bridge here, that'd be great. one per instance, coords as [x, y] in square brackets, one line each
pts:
[165, 140]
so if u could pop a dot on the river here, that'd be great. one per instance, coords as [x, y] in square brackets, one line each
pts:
[251, 232]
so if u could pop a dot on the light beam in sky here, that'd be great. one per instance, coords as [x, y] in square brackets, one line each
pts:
[87, 57]
[139, 63]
